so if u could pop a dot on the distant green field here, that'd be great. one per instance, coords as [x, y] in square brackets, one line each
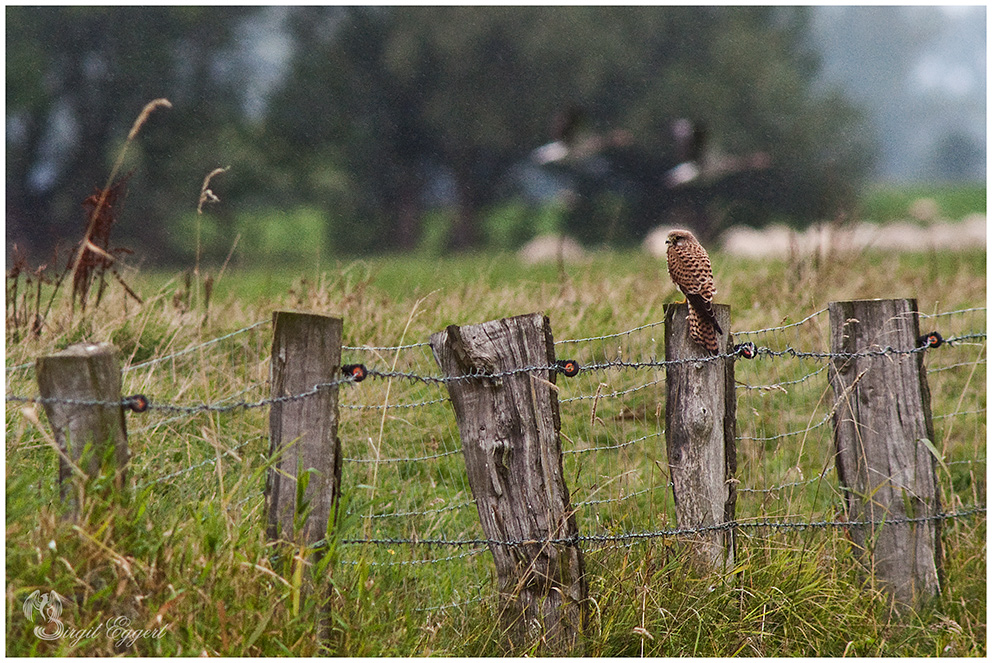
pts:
[891, 202]
[185, 547]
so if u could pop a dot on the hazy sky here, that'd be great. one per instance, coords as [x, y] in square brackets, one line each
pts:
[919, 71]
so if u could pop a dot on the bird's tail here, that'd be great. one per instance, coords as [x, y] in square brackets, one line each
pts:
[704, 331]
[704, 309]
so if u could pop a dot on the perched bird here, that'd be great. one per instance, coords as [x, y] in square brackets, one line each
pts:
[689, 267]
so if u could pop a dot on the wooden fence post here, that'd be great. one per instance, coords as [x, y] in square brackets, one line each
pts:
[85, 372]
[306, 352]
[509, 428]
[700, 435]
[883, 433]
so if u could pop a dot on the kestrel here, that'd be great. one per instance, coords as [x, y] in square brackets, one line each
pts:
[689, 267]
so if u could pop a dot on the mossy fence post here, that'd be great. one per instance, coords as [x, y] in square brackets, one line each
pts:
[303, 431]
[700, 435]
[509, 427]
[884, 439]
[86, 412]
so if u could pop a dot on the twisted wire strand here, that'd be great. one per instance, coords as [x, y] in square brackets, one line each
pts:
[388, 348]
[788, 326]
[407, 514]
[385, 348]
[952, 366]
[809, 428]
[416, 562]
[194, 348]
[786, 525]
[412, 459]
[960, 310]
[180, 417]
[208, 461]
[446, 606]
[611, 447]
[786, 383]
[188, 409]
[792, 484]
[959, 414]
[444, 380]
[394, 406]
[607, 336]
[612, 394]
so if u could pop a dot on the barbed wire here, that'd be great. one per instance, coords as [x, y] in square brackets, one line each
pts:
[952, 366]
[607, 336]
[407, 514]
[783, 525]
[782, 327]
[409, 346]
[958, 414]
[960, 310]
[809, 428]
[611, 447]
[455, 507]
[180, 417]
[785, 383]
[415, 562]
[411, 459]
[204, 463]
[447, 606]
[385, 348]
[194, 348]
[623, 498]
[173, 355]
[632, 330]
[792, 484]
[188, 409]
[394, 406]
[612, 394]
[445, 380]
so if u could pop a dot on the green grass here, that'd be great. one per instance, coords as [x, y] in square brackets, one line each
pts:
[184, 546]
[892, 203]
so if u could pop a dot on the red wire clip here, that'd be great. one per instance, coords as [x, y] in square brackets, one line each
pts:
[356, 372]
[136, 403]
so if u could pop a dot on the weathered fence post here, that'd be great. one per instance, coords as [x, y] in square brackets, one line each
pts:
[306, 353]
[883, 433]
[509, 427]
[80, 374]
[700, 435]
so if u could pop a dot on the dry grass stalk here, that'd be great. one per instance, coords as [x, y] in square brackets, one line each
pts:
[206, 195]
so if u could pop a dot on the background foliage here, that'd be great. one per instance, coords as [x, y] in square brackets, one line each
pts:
[383, 119]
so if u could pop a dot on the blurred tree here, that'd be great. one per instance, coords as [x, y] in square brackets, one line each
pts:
[957, 157]
[427, 105]
[385, 115]
[77, 77]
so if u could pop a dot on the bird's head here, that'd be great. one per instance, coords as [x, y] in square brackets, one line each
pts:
[677, 236]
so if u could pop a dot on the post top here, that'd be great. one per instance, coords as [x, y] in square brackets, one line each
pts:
[86, 350]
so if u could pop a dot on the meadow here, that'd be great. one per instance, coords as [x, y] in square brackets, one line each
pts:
[184, 545]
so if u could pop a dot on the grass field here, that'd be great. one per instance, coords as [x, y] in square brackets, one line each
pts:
[185, 547]
[883, 203]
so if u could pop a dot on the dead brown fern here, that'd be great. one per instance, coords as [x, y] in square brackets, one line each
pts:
[24, 304]
[95, 257]
[92, 260]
